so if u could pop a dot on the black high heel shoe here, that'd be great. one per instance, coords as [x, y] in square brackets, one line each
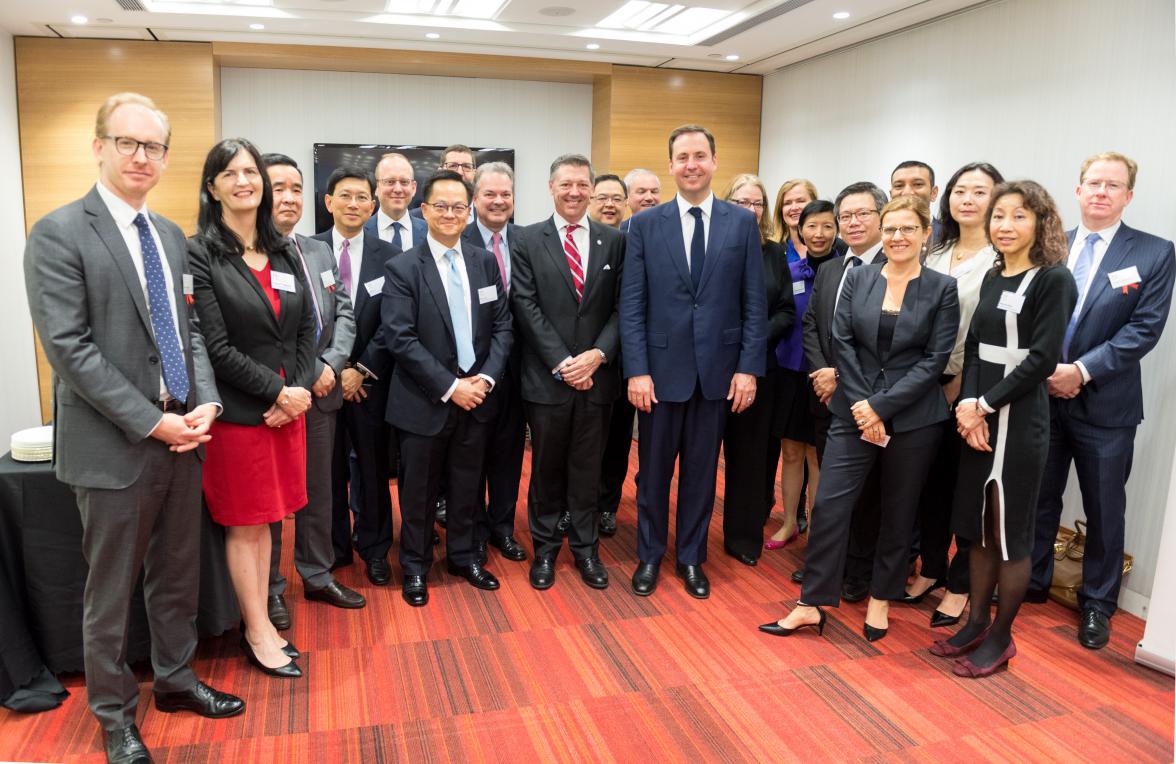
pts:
[872, 633]
[909, 600]
[943, 619]
[776, 630]
[289, 671]
[289, 649]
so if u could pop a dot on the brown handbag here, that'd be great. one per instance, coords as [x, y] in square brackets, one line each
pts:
[1069, 549]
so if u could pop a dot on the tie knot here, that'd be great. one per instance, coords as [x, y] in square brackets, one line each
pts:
[855, 260]
[141, 222]
[451, 255]
[496, 238]
[346, 246]
[396, 225]
[1093, 239]
[696, 212]
[572, 227]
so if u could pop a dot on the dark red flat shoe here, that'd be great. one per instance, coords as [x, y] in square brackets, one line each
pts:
[945, 649]
[965, 668]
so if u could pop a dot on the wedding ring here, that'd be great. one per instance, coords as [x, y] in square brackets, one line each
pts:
[861, 421]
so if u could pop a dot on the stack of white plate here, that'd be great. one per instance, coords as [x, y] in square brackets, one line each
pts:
[33, 445]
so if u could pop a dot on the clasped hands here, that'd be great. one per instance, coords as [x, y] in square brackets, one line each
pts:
[470, 392]
[868, 421]
[1066, 381]
[184, 433]
[292, 403]
[824, 383]
[972, 425]
[577, 373]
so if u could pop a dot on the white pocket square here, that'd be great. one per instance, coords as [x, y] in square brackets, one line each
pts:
[606, 267]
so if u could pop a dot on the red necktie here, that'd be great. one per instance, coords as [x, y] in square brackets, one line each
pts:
[574, 262]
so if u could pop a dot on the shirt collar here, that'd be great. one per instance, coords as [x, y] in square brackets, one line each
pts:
[438, 250]
[870, 254]
[123, 213]
[706, 205]
[560, 223]
[487, 233]
[383, 220]
[356, 241]
[1106, 234]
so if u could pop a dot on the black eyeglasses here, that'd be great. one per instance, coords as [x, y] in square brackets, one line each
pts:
[443, 208]
[128, 147]
[457, 166]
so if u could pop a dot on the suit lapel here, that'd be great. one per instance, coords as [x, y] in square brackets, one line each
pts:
[433, 282]
[104, 225]
[596, 259]
[875, 294]
[474, 278]
[1114, 259]
[720, 226]
[672, 234]
[553, 245]
[316, 281]
[251, 280]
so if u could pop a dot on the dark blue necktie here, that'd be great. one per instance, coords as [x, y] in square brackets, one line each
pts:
[175, 372]
[396, 240]
[697, 248]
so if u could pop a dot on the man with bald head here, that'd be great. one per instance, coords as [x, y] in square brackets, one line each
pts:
[643, 189]
[395, 187]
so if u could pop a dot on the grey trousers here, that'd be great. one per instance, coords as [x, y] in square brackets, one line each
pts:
[152, 526]
[313, 553]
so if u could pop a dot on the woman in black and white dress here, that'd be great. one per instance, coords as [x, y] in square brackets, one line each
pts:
[1013, 346]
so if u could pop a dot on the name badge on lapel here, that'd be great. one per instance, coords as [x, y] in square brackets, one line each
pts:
[188, 287]
[1125, 278]
[797, 287]
[1011, 302]
[282, 281]
[328, 280]
[374, 287]
[487, 294]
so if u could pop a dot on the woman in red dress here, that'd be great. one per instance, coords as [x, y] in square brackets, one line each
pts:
[258, 325]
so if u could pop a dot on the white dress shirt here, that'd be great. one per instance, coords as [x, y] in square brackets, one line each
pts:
[867, 259]
[969, 277]
[688, 221]
[1106, 235]
[438, 250]
[384, 227]
[579, 236]
[355, 252]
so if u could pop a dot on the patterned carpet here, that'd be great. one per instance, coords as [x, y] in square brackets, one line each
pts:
[573, 674]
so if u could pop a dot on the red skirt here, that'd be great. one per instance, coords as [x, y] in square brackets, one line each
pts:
[254, 475]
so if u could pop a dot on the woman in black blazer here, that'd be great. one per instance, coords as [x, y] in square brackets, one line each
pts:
[893, 331]
[748, 434]
[258, 322]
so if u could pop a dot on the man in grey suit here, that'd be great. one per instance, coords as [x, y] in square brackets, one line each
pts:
[335, 328]
[133, 400]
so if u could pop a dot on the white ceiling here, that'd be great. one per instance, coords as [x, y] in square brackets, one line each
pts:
[766, 35]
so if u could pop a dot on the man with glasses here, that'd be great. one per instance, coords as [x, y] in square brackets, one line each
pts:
[607, 204]
[446, 321]
[493, 231]
[1124, 279]
[133, 398]
[457, 158]
[360, 258]
[915, 178]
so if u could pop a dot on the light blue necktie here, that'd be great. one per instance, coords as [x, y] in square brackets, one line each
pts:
[457, 312]
[175, 372]
[1081, 273]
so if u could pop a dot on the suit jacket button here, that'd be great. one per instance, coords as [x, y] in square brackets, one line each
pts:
[152, 360]
[696, 306]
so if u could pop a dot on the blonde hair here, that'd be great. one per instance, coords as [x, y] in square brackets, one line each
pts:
[913, 203]
[781, 232]
[102, 123]
[1111, 156]
[747, 179]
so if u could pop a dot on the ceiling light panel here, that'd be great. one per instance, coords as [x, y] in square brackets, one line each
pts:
[691, 21]
[468, 9]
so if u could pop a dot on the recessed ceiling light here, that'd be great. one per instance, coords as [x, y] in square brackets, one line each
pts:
[257, 27]
[433, 36]
[841, 15]
[79, 19]
[593, 46]
[732, 57]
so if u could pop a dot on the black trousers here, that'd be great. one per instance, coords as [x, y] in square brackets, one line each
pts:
[566, 442]
[503, 468]
[935, 507]
[614, 467]
[863, 527]
[457, 452]
[746, 445]
[361, 427]
[848, 460]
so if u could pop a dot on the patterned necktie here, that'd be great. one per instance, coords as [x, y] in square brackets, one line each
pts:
[318, 312]
[457, 312]
[496, 245]
[697, 248]
[1081, 274]
[175, 372]
[396, 240]
[345, 266]
[575, 264]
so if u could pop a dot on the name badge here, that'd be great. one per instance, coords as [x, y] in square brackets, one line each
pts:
[487, 294]
[1011, 301]
[374, 287]
[797, 288]
[1124, 277]
[186, 281]
[282, 281]
[328, 279]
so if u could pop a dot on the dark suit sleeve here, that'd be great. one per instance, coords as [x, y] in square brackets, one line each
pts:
[398, 311]
[634, 296]
[502, 333]
[536, 330]
[782, 312]
[204, 380]
[754, 351]
[609, 339]
[1139, 335]
[813, 352]
[232, 367]
[343, 337]
[306, 362]
[1056, 297]
[945, 323]
[55, 282]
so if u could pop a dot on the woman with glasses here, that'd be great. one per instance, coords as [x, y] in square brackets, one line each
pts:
[964, 253]
[1013, 346]
[258, 323]
[746, 440]
[893, 331]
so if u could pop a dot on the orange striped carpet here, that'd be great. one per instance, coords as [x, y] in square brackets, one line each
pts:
[574, 674]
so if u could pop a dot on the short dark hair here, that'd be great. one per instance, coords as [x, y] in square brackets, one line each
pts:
[815, 207]
[277, 160]
[340, 174]
[684, 129]
[609, 176]
[571, 160]
[459, 148]
[441, 175]
[914, 163]
[861, 187]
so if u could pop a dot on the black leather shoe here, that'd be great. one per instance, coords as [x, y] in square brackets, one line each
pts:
[871, 633]
[436, 537]
[478, 577]
[124, 746]
[608, 523]
[593, 572]
[200, 699]
[279, 614]
[697, 584]
[1094, 629]
[338, 595]
[480, 553]
[379, 572]
[746, 559]
[442, 514]
[916, 599]
[801, 520]
[797, 576]
[543, 573]
[288, 671]
[645, 578]
[509, 546]
[854, 590]
[416, 591]
[565, 523]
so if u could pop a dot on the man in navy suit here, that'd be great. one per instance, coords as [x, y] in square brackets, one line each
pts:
[446, 322]
[1124, 279]
[694, 338]
[360, 259]
[492, 231]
